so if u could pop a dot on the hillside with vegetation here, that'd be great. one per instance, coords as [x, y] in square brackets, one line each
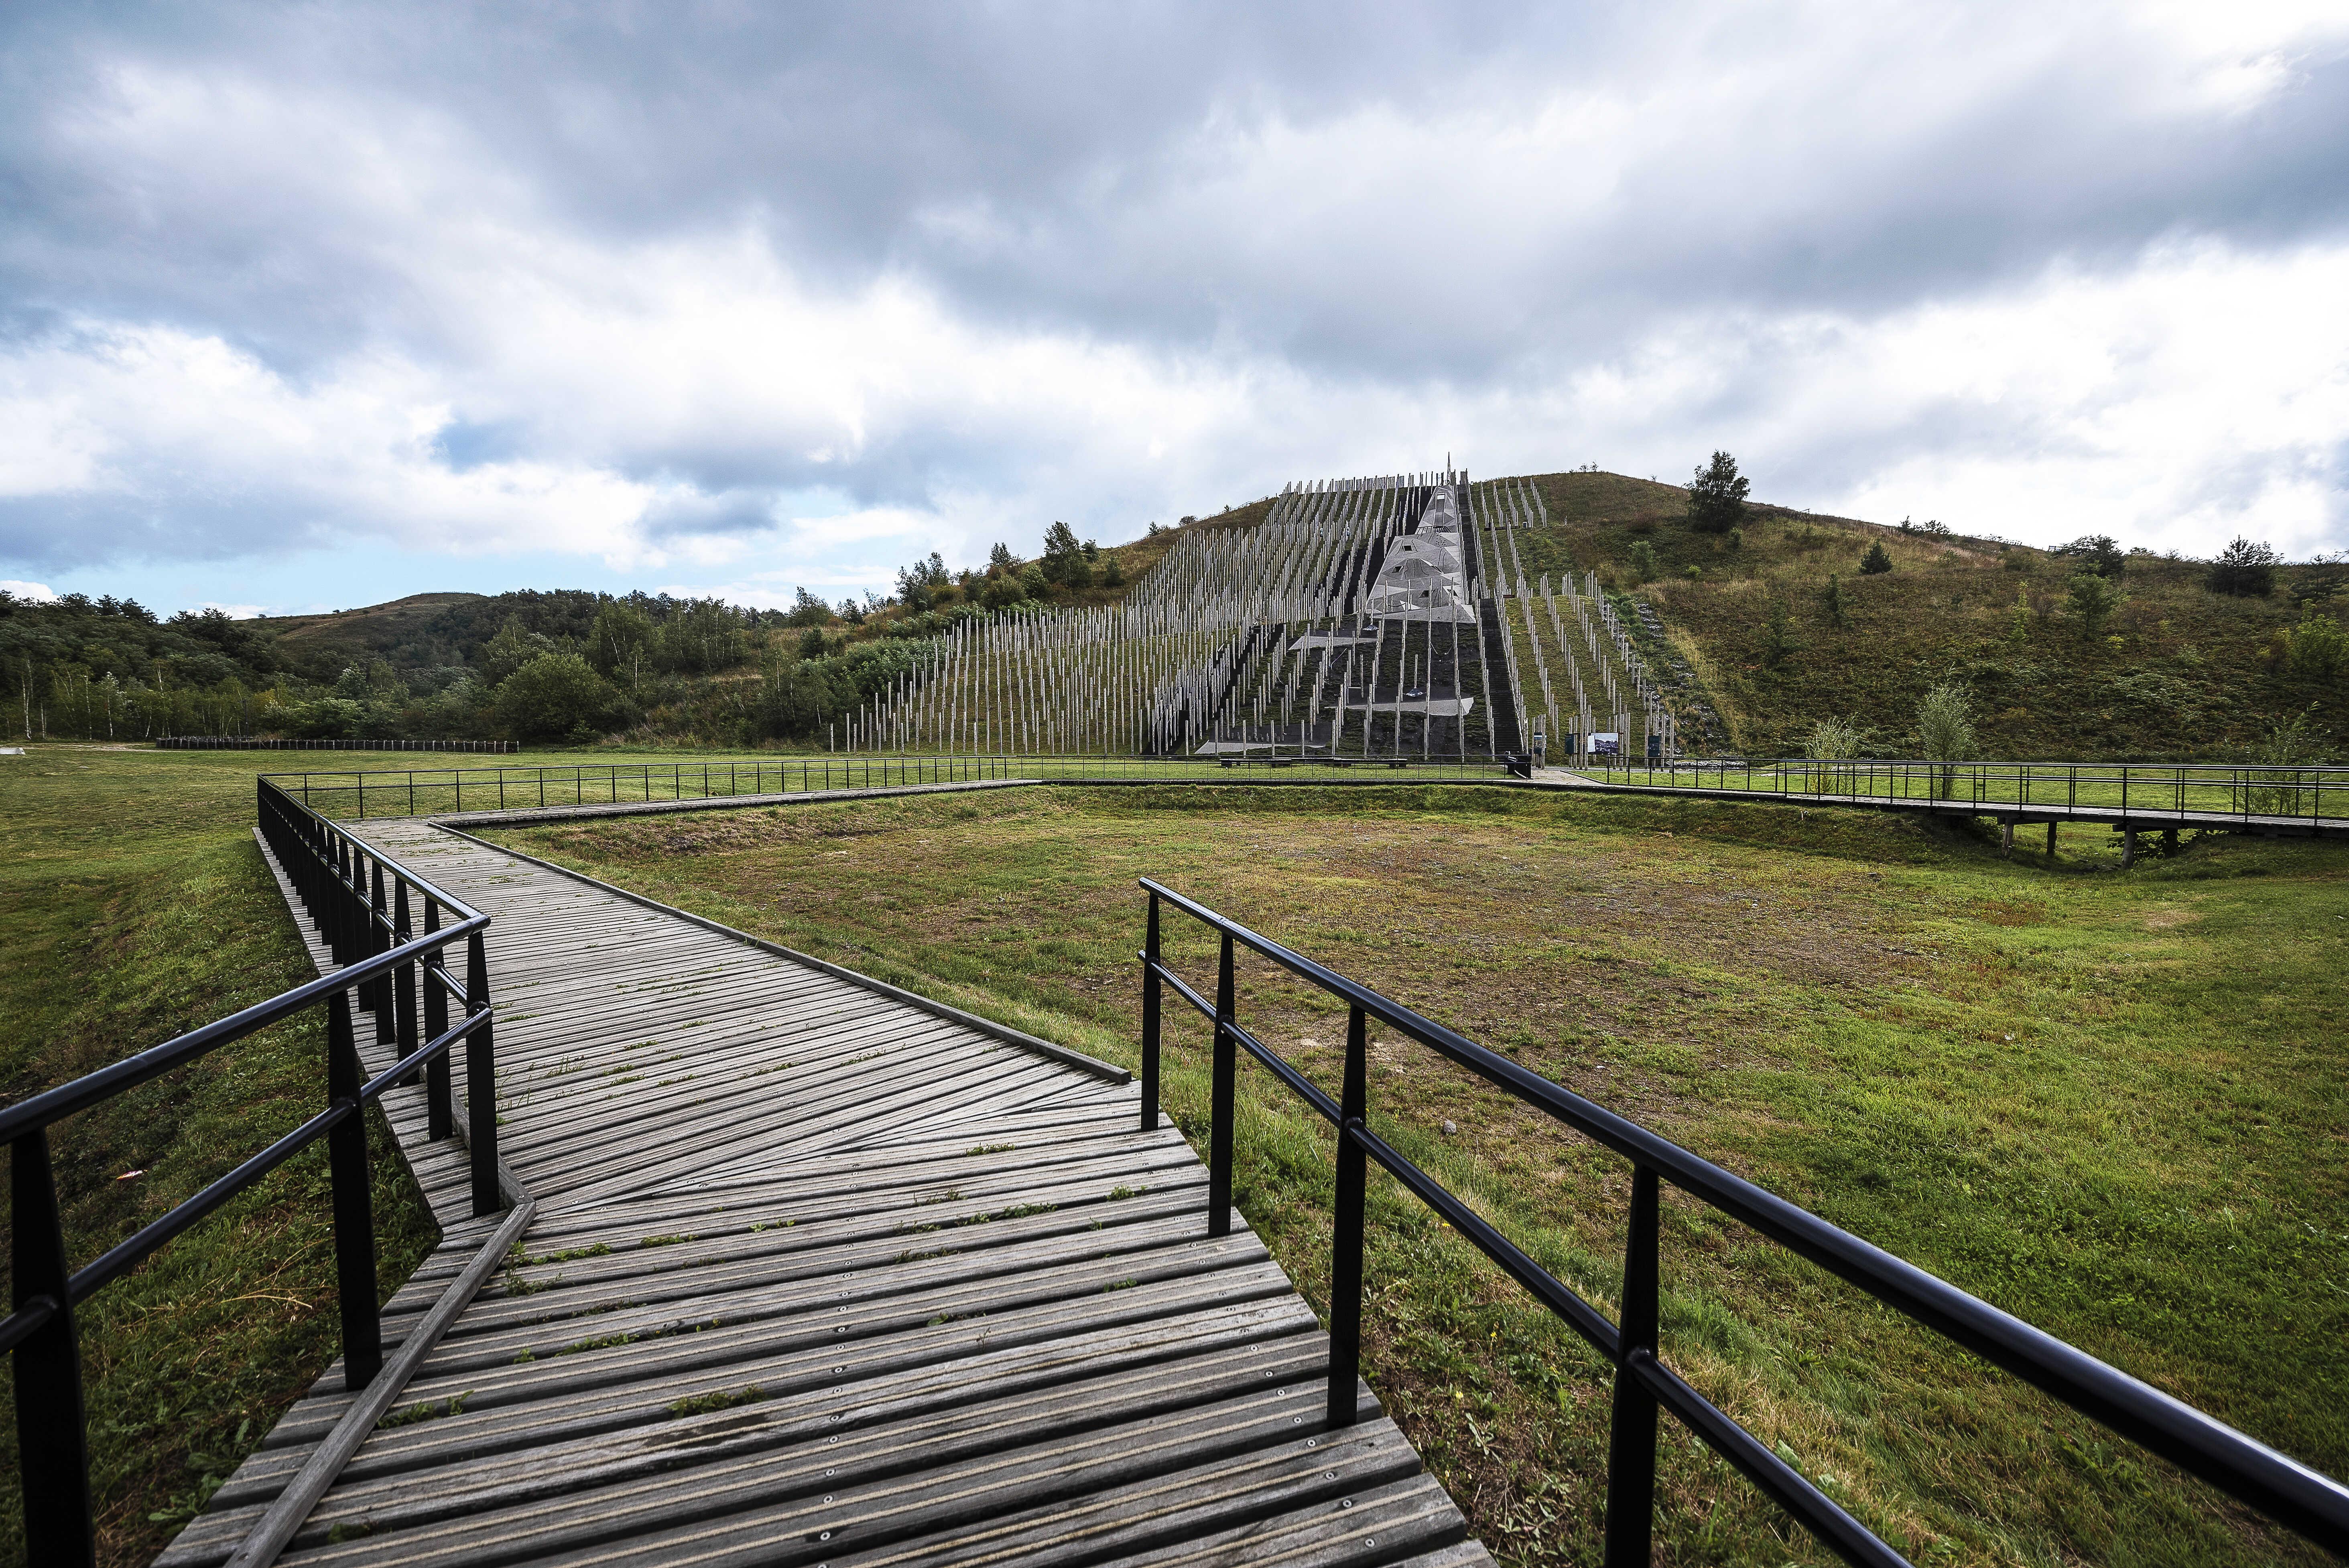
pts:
[1760, 622]
[562, 666]
[2091, 650]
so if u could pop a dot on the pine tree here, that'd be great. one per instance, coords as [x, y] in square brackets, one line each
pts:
[1717, 495]
[1835, 603]
[1875, 561]
[2244, 570]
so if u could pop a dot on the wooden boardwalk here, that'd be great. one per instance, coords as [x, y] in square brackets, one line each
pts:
[819, 1277]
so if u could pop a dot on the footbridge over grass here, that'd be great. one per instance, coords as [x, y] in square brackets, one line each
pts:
[747, 1258]
[2302, 801]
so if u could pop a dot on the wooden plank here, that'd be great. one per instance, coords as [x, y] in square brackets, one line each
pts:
[811, 1258]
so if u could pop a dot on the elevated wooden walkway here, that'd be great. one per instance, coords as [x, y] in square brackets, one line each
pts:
[820, 1277]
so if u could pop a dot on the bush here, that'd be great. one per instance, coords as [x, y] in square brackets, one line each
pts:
[2092, 600]
[1945, 725]
[1643, 561]
[2096, 552]
[560, 696]
[1876, 561]
[2244, 570]
[1834, 739]
[2319, 647]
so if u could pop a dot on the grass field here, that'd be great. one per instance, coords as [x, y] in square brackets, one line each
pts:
[133, 906]
[2110, 1104]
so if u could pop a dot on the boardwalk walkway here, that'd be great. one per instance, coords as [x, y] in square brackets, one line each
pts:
[819, 1277]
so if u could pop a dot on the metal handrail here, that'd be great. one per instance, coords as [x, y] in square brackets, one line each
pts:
[339, 882]
[2303, 1499]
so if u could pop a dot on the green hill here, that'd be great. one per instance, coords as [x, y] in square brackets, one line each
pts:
[2176, 672]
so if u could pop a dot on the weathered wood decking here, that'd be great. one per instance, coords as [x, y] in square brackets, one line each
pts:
[819, 1277]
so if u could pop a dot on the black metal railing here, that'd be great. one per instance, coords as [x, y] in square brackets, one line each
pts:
[363, 905]
[2283, 1489]
[433, 791]
[2181, 793]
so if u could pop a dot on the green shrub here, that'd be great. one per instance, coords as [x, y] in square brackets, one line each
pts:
[1945, 725]
[2319, 647]
[559, 695]
[1876, 561]
[1643, 560]
[2092, 600]
[2243, 569]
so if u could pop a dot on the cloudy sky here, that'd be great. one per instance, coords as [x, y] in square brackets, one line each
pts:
[311, 306]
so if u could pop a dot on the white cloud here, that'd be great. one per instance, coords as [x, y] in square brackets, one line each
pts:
[1968, 265]
[25, 590]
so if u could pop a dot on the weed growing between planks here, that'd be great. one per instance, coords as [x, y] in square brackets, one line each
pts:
[2100, 1101]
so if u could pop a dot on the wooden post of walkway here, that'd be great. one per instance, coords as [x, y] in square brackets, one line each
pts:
[2128, 848]
[2007, 835]
[2050, 841]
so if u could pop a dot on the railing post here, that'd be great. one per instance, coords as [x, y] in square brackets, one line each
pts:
[480, 1083]
[1150, 988]
[1631, 1446]
[52, 1435]
[378, 940]
[403, 979]
[347, 1167]
[440, 1120]
[1219, 1130]
[1346, 1229]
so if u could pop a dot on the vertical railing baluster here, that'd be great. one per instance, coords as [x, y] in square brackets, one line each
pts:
[480, 1083]
[1219, 1131]
[1151, 991]
[52, 1435]
[347, 1167]
[1631, 1444]
[378, 940]
[440, 1113]
[1346, 1228]
[403, 979]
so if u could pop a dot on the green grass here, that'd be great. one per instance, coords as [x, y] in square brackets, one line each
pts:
[133, 906]
[2109, 1103]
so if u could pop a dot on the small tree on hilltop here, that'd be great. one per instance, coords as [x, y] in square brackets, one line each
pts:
[1877, 562]
[1835, 603]
[2244, 570]
[2096, 552]
[1065, 562]
[1717, 495]
[1945, 724]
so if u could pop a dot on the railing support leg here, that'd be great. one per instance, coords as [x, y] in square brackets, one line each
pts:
[480, 1085]
[1631, 1446]
[1346, 1230]
[52, 1441]
[1150, 989]
[440, 1113]
[403, 979]
[1219, 1131]
[347, 1166]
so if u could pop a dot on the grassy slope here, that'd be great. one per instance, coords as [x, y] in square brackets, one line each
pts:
[2180, 673]
[2102, 1102]
[133, 906]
